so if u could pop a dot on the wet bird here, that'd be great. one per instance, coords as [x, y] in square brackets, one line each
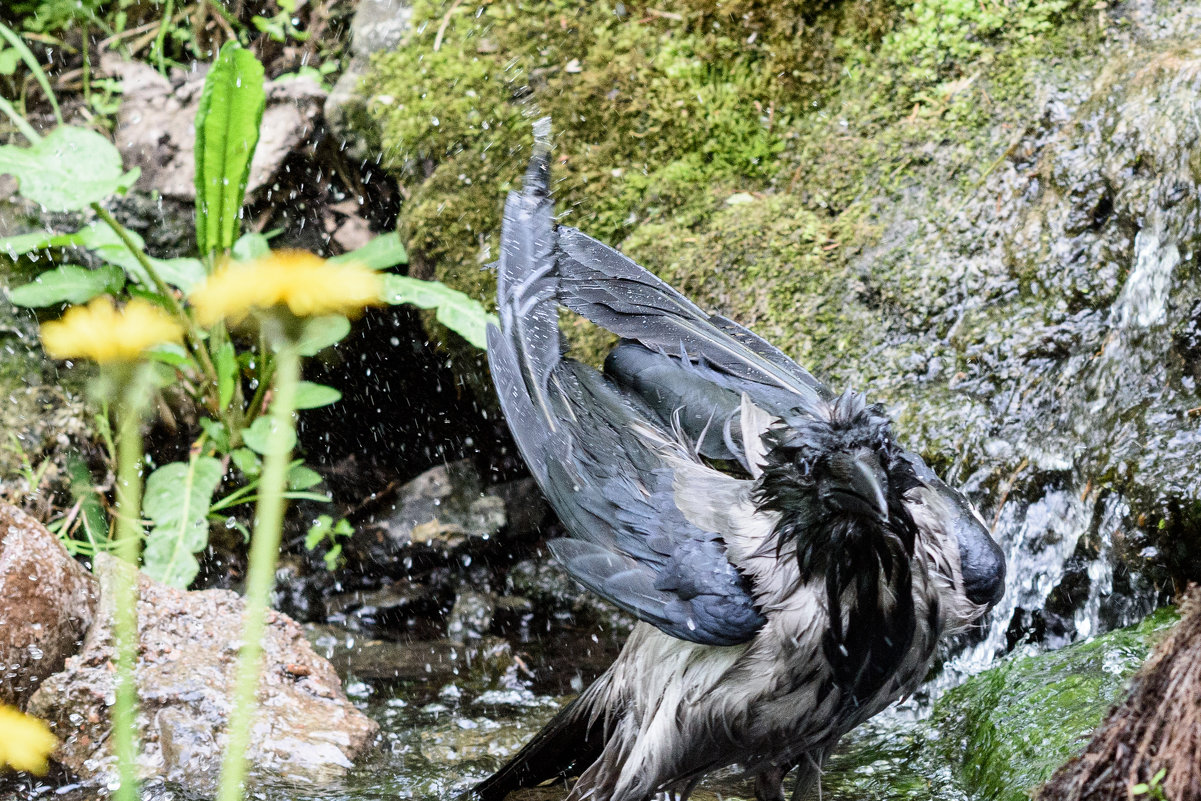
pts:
[792, 567]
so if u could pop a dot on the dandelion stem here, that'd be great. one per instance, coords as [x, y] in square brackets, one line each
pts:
[264, 548]
[195, 338]
[130, 408]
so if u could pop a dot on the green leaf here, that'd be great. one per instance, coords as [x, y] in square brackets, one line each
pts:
[103, 241]
[226, 362]
[313, 396]
[247, 461]
[258, 436]
[227, 132]
[68, 170]
[170, 354]
[68, 284]
[217, 432]
[251, 246]
[318, 531]
[455, 310]
[13, 246]
[177, 500]
[302, 478]
[378, 254]
[321, 332]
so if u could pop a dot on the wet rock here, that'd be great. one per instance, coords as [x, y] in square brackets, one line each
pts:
[471, 617]
[399, 609]
[1007, 729]
[155, 129]
[439, 511]
[47, 600]
[43, 409]
[306, 730]
[553, 594]
[378, 25]
[434, 663]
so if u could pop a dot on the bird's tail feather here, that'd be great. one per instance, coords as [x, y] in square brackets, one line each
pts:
[572, 740]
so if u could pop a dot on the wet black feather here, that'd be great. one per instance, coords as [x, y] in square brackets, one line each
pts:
[864, 562]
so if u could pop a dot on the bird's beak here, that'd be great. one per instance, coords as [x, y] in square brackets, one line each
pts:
[859, 486]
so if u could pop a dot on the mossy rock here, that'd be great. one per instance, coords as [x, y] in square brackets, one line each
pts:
[1006, 730]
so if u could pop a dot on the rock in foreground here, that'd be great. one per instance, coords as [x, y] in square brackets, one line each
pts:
[306, 731]
[46, 604]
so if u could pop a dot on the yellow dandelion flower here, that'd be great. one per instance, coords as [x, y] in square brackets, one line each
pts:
[103, 333]
[25, 741]
[307, 285]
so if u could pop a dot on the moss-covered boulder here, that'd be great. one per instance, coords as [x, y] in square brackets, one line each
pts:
[984, 214]
[1006, 730]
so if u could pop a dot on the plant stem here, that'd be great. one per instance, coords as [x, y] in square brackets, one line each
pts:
[130, 407]
[264, 549]
[195, 338]
[21, 124]
[161, 38]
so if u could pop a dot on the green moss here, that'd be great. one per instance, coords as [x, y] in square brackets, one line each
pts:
[827, 112]
[1007, 729]
[651, 109]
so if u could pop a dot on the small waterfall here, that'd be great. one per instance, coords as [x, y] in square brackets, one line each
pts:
[1037, 539]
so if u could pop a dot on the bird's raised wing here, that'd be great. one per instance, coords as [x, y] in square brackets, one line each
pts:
[579, 434]
[693, 348]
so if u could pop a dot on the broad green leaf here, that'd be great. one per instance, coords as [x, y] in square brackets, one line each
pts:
[302, 478]
[13, 246]
[247, 461]
[258, 436]
[321, 332]
[217, 432]
[68, 284]
[103, 241]
[227, 132]
[170, 354]
[455, 310]
[177, 500]
[378, 254]
[313, 396]
[226, 362]
[251, 246]
[68, 170]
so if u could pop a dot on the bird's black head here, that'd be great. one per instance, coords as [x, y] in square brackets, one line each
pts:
[836, 479]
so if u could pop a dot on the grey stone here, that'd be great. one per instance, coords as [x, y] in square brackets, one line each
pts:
[378, 25]
[305, 730]
[47, 600]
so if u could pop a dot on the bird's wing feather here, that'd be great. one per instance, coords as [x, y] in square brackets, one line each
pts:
[616, 293]
[576, 431]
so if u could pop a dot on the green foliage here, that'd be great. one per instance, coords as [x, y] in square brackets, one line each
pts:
[177, 500]
[645, 116]
[937, 39]
[67, 170]
[325, 531]
[68, 284]
[227, 132]
[1152, 789]
[72, 169]
[455, 310]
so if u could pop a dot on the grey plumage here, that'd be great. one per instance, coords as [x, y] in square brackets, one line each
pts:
[785, 597]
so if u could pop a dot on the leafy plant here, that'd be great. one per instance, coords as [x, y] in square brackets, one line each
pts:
[226, 376]
[325, 531]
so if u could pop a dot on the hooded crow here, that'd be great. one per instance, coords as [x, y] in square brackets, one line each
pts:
[792, 567]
